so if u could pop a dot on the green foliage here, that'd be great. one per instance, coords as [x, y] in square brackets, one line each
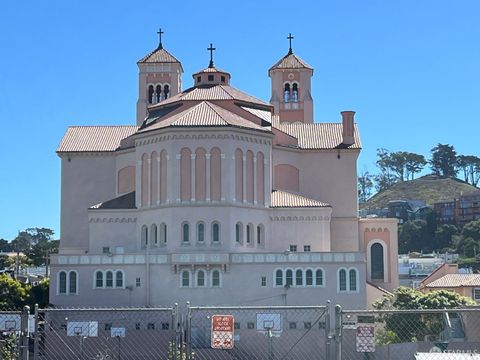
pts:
[14, 294]
[365, 186]
[444, 160]
[470, 165]
[181, 353]
[9, 348]
[401, 327]
[444, 236]
[472, 230]
[39, 294]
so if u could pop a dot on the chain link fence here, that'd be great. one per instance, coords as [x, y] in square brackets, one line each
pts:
[409, 334]
[257, 333]
[250, 332]
[84, 334]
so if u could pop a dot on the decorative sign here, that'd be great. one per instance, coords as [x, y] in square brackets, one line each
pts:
[117, 332]
[10, 322]
[222, 332]
[365, 338]
[82, 328]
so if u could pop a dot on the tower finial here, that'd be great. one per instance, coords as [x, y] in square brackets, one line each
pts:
[290, 37]
[211, 49]
[160, 32]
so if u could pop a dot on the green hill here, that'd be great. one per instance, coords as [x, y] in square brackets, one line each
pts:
[429, 188]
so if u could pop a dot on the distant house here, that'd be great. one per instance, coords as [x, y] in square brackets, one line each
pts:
[446, 277]
[461, 210]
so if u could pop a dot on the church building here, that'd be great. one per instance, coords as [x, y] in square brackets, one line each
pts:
[218, 198]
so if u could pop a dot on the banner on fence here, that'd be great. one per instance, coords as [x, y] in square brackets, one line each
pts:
[222, 332]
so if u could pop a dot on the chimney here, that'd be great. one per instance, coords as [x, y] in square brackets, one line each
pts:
[347, 127]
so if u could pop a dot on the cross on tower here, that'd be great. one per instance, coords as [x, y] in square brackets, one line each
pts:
[290, 37]
[160, 32]
[211, 49]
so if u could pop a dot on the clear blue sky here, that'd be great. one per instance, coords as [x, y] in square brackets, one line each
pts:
[409, 68]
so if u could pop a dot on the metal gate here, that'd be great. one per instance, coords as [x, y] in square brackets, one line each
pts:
[259, 333]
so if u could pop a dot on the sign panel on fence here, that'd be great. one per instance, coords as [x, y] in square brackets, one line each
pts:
[365, 338]
[82, 328]
[117, 332]
[222, 332]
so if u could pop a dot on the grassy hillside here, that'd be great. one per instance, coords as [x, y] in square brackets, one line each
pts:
[429, 188]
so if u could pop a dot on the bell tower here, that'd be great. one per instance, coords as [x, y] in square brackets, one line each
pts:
[291, 88]
[159, 77]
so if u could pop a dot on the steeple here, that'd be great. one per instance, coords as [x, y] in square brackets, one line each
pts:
[291, 86]
[211, 75]
[160, 76]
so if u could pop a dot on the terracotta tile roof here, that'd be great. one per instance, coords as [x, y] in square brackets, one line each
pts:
[262, 114]
[212, 92]
[204, 114]
[159, 55]
[318, 135]
[283, 199]
[94, 138]
[291, 61]
[455, 280]
[126, 201]
[210, 70]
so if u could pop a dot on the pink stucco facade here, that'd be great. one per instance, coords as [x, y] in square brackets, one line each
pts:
[224, 193]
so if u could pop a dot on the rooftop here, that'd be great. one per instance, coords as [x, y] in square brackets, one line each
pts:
[283, 199]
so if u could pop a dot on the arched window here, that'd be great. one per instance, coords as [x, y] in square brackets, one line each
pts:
[154, 234]
[286, 93]
[119, 279]
[279, 278]
[109, 279]
[238, 233]
[200, 174]
[249, 176]
[309, 277]
[259, 235]
[62, 282]
[163, 233]
[185, 278]
[352, 276]
[319, 277]
[376, 262]
[215, 278]
[215, 174]
[150, 94]
[216, 232]
[144, 236]
[72, 282]
[201, 232]
[249, 234]
[186, 174]
[200, 278]
[185, 233]
[289, 277]
[239, 190]
[158, 93]
[299, 278]
[295, 92]
[99, 279]
[166, 91]
[342, 280]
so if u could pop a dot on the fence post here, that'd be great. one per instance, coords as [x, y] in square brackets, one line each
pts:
[36, 334]
[24, 333]
[176, 346]
[338, 332]
[188, 335]
[328, 337]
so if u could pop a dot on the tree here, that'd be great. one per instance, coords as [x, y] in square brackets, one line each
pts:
[472, 229]
[414, 163]
[444, 235]
[470, 165]
[401, 327]
[5, 246]
[444, 160]
[39, 294]
[36, 244]
[14, 294]
[365, 186]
